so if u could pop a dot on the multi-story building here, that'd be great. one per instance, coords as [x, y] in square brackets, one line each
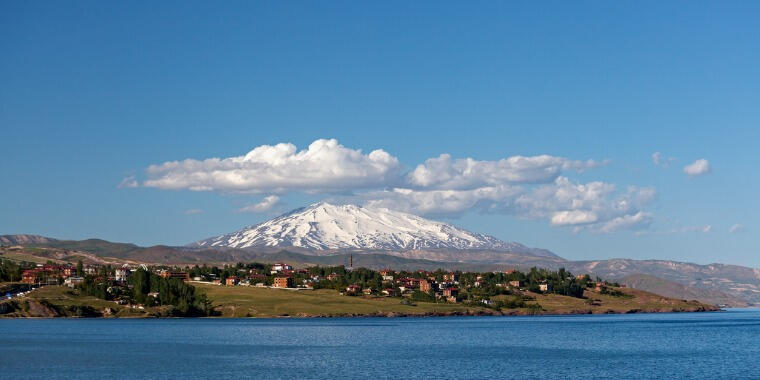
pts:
[283, 282]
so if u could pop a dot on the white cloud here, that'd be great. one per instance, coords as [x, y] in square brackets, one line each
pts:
[323, 167]
[266, 204]
[736, 228]
[534, 187]
[193, 211]
[443, 172]
[573, 217]
[128, 182]
[697, 168]
[659, 160]
[596, 206]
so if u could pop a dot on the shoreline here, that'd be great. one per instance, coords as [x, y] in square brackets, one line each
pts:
[478, 313]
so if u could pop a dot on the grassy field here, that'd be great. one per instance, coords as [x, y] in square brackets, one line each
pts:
[243, 301]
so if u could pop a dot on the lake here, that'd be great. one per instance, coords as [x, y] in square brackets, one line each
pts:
[688, 345]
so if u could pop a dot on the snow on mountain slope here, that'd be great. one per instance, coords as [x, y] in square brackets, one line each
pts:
[325, 226]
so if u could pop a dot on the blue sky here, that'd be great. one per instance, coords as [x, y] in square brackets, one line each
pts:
[94, 93]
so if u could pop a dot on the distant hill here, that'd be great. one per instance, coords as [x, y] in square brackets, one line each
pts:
[675, 290]
[737, 281]
[24, 240]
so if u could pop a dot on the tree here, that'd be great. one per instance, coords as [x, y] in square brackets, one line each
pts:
[80, 268]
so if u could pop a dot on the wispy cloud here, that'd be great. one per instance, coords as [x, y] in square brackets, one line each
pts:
[659, 160]
[128, 182]
[193, 211]
[266, 204]
[698, 229]
[736, 228]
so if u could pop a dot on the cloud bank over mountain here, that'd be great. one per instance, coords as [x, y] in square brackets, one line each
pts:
[533, 187]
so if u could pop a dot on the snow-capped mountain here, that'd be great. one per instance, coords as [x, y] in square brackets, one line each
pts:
[324, 226]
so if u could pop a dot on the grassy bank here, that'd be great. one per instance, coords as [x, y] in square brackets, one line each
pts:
[242, 301]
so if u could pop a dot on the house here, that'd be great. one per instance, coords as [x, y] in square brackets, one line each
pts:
[545, 287]
[452, 299]
[232, 280]
[257, 277]
[367, 291]
[389, 292]
[73, 281]
[425, 286]
[283, 282]
[516, 284]
[185, 276]
[69, 271]
[598, 286]
[409, 282]
[332, 276]
[122, 274]
[450, 277]
[30, 276]
[487, 302]
[451, 292]
[280, 267]
[353, 289]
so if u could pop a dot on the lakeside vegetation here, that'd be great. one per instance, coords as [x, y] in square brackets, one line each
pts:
[148, 289]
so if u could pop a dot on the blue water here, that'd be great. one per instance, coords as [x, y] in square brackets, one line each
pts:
[698, 345]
